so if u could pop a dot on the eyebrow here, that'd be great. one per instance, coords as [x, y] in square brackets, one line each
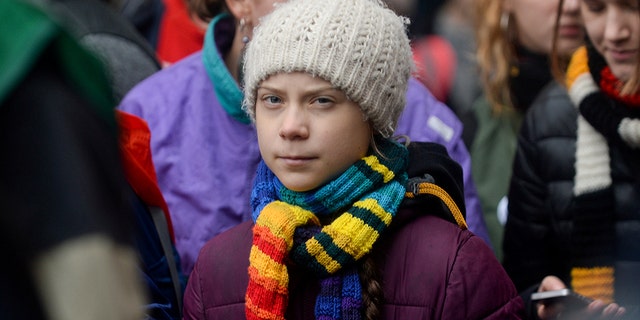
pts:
[307, 92]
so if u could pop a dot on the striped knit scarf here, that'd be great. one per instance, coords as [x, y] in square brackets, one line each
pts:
[593, 238]
[365, 197]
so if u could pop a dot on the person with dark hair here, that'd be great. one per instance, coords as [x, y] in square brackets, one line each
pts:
[347, 223]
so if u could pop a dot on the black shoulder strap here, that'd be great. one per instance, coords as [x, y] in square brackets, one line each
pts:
[165, 240]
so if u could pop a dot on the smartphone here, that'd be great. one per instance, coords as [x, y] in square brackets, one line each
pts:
[565, 296]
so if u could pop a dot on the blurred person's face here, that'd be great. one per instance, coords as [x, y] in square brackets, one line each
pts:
[251, 11]
[261, 8]
[614, 29]
[535, 22]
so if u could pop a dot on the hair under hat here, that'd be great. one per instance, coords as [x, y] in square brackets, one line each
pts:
[359, 46]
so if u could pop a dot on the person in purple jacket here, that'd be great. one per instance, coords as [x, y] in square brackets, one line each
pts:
[204, 146]
[348, 221]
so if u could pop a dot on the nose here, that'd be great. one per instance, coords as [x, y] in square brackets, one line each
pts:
[571, 7]
[616, 28]
[294, 123]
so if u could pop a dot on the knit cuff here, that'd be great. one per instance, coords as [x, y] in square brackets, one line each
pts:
[629, 130]
[581, 88]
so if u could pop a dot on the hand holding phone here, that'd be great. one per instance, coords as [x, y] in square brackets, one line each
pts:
[566, 297]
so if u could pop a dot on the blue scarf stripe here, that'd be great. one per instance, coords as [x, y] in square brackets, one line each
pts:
[362, 178]
[331, 196]
[336, 199]
[328, 302]
[351, 296]
[393, 199]
[308, 200]
[258, 201]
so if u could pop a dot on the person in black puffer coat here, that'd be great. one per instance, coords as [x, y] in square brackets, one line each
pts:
[573, 210]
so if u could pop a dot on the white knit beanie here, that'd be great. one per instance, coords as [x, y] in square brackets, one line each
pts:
[359, 46]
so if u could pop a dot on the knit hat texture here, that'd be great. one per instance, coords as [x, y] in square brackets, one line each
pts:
[359, 46]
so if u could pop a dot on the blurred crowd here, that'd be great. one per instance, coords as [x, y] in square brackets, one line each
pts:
[135, 157]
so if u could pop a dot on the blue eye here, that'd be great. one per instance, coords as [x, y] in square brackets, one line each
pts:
[272, 99]
[324, 102]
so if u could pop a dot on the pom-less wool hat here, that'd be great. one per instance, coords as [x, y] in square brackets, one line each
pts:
[360, 48]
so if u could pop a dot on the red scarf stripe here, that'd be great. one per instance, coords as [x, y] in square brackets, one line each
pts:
[258, 313]
[268, 243]
[266, 282]
[612, 86]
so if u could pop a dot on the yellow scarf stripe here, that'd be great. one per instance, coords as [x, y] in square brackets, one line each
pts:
[273, 231]
[375, 165]
[268, 271]
[577, 66]
[595, 282]
[342, 232]
[343, 237]
[373, 206]
[316, 250]
[283, 219]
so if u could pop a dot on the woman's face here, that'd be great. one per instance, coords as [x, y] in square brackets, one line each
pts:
[308, 131]
[259, 9]
[535, 22]
[614, 28]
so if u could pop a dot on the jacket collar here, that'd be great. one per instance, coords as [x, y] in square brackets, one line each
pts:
[226, 88]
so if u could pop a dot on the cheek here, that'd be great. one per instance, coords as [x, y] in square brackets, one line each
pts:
[594, 27]
[264, 131]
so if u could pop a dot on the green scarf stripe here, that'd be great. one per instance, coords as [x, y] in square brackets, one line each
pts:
[363, 177]
[357, 179]
[331, 197]
[369, 218]
[302, 255]
[336, 252]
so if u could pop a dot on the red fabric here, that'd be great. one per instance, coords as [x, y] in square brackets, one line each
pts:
[138, 166]
[178, 36]
[611, 86]
[435, 61]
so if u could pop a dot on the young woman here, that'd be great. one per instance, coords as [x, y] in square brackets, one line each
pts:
[204, 147]
[341, 227]
[573, 209]
[514, 40]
